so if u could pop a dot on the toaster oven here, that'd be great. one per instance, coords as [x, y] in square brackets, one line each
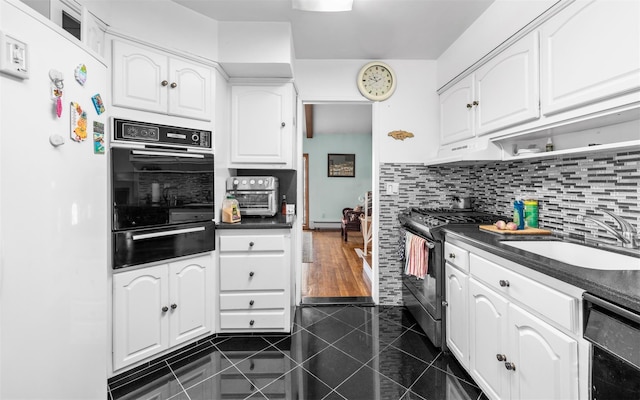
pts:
[256, 195]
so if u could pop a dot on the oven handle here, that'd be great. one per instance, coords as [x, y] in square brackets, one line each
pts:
[429, 243]
[167, 233]
[157, 153]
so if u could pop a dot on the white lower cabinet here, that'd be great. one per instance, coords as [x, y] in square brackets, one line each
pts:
[518, 338]
[255, 280]
[159, 307]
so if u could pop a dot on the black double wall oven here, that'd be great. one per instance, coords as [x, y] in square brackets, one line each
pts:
[162, 185]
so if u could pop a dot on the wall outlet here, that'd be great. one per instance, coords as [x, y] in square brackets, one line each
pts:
[393, 188]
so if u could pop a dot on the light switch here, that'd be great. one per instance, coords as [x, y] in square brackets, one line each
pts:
[14, 57]
[393, 188]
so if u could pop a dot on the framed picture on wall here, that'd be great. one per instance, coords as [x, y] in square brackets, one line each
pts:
[341, 165]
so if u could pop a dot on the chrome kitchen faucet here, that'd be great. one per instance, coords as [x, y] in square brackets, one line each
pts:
[627, 234]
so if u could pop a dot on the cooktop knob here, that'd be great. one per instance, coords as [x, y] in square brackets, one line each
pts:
[244, 181]
[260, 181]
[235, 182]
[252, 182]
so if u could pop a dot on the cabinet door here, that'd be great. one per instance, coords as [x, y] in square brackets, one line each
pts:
[189, 90]
[456, 112]
[191, 289]
[488, 338]
[138, 76]
[590, 51]
[546, 360]
[262, 125]
[139, 322]
[457, 314]
[507, 87]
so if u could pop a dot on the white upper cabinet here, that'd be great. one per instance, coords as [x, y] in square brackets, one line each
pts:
[149, 80]
[262, 126]
[507, 87]
[456, 112]
[501, 93]
[590, 52]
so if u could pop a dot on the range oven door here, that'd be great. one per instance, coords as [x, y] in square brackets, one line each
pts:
[140, 246]
[153, 187]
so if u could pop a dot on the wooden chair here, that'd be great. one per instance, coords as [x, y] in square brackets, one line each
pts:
[350, 221]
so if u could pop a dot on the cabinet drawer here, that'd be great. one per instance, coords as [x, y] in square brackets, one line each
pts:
[456, 256]
[251, 301]
[252, 320]
[550, 303]
[252, 243]
[262, 272]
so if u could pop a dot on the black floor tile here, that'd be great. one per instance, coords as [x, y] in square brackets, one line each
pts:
[367, 384]
[332, 366]
[399, 366]
[333, 353]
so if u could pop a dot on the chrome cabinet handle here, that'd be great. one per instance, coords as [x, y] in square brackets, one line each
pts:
[174, 85]
[251, 244]
[475, 103]
[174, 306]
[510, 366]
[469, 105]
[452, 255]
[165, 309]
[251, 303]
[164, 83]
[445, 303]
[501, 357]
[504, 283]
[252, 322]
[251, 273]
[283, 124]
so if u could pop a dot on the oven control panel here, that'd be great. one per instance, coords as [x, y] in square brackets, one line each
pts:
[148, 133]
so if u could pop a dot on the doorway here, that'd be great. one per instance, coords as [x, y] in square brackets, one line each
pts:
[335, 270]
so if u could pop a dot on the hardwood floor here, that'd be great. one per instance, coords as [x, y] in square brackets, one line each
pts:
[336, 270]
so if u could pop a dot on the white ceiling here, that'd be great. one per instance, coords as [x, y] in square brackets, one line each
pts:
[374, 29]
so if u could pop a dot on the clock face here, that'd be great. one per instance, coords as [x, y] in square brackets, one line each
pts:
[376, 81]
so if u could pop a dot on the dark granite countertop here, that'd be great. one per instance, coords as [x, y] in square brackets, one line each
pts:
[618, 286]
[276, 222]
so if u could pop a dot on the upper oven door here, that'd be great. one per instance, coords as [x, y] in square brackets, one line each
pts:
[160, 187]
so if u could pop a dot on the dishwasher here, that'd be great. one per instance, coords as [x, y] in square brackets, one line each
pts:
[614, 333]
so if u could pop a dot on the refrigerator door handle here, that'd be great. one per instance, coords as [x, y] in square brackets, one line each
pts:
[167, 233]
[157, 153]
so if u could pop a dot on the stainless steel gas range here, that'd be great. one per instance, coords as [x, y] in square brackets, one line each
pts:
[424, 298]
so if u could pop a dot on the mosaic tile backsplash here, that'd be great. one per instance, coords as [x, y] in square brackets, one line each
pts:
[566, 188]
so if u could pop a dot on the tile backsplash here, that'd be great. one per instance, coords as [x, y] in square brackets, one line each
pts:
[566, 188]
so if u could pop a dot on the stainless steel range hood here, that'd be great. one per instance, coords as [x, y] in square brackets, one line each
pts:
[467, 152]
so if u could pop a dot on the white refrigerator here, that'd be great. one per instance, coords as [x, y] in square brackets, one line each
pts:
[53, 219]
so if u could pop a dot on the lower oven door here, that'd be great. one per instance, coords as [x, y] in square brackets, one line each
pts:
[135, 247]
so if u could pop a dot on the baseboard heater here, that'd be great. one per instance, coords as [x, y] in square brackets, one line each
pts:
[325, 225]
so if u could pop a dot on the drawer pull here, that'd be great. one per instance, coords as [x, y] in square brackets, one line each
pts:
[451, 255]
[510, 366]
[251, 273]
[251, 303]
[252, 322]
[251, 244]
[165, 309]
[174, 306]
[504, 283]
[501, 357]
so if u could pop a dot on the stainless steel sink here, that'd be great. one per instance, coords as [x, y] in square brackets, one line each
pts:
[577, 254]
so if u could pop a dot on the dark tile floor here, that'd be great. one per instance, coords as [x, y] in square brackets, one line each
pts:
[334, 352]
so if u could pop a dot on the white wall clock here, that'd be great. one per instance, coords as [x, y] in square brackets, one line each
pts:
[376, 81]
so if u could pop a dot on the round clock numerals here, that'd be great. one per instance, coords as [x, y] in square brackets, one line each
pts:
[376, 81]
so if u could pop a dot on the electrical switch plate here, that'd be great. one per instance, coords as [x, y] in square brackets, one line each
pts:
[14, 57]
[393, 188]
